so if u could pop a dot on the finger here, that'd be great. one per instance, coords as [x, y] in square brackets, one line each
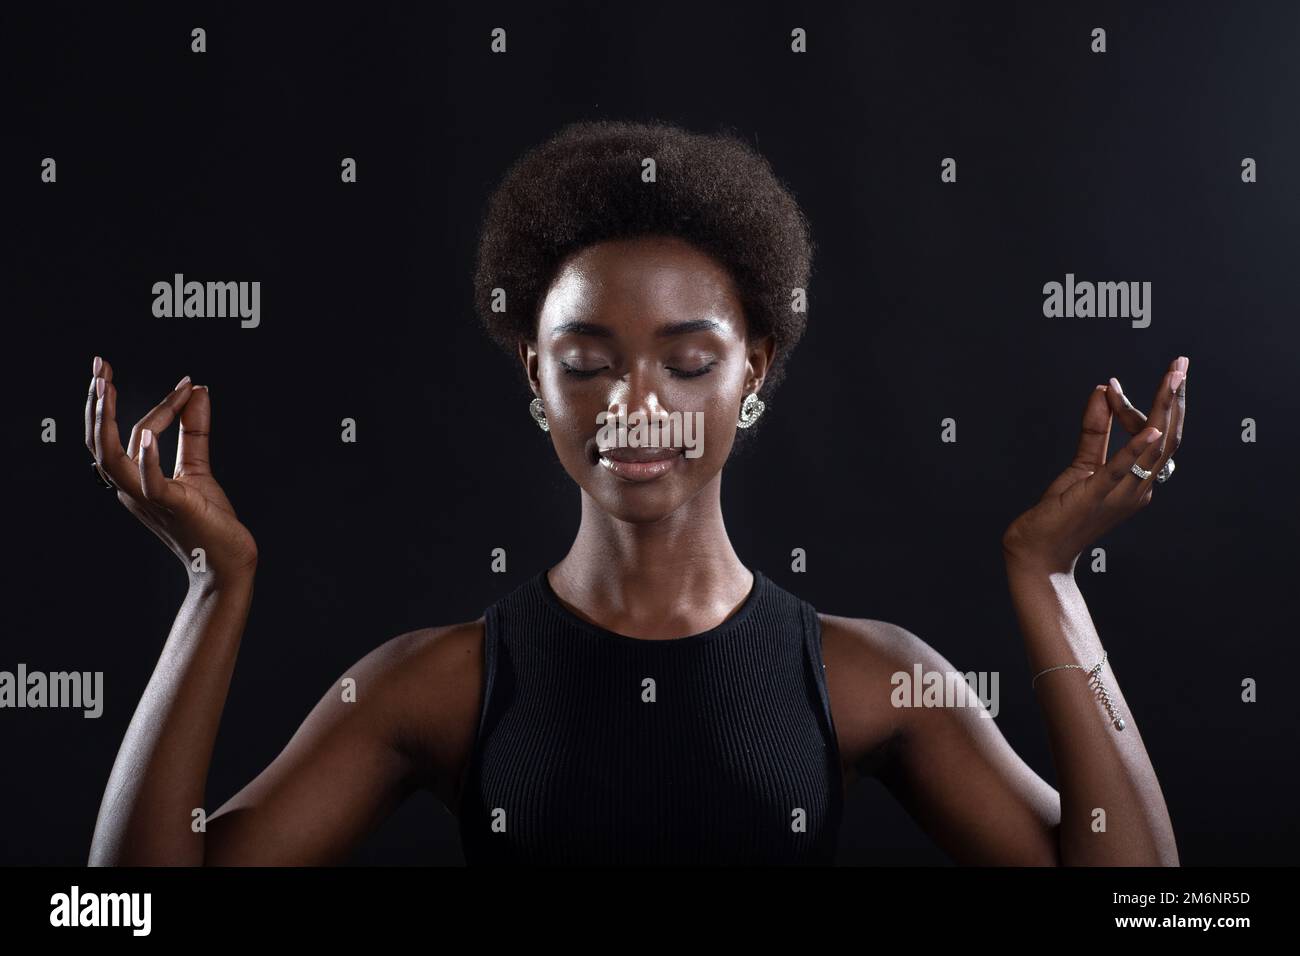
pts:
[196, 421]
[1130, 417]
[1116, 483]
[1133, 491]
[154, 486]
[158, 418]
[90, 405]
[113, 463]
[1095, 431]
[1178, 402]
[1162, 405]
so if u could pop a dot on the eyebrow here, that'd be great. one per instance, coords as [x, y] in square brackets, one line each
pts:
[663, 332]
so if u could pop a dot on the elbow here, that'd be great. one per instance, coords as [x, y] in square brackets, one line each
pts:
[1130, 854]
[104, 853]
[1049, 847]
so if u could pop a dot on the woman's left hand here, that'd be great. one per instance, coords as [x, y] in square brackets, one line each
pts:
[1094, 495]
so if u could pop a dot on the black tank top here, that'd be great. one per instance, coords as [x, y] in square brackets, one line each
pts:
[598, 748]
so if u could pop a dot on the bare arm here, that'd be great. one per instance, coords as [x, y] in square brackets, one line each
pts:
[352, 761]
[1105, 774]
[950, 766]
[354, 757]
[959, 778]
[161, 769]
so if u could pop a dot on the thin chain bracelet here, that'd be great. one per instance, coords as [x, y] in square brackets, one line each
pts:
[1095, 682]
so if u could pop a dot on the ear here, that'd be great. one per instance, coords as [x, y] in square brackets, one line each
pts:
[528, 356]
[758, 360]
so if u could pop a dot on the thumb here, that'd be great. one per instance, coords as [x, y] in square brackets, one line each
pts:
[192, 447]
[1094, 432]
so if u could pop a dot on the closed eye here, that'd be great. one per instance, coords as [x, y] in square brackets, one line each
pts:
[705, 370]
[581, 373]
[592, 373]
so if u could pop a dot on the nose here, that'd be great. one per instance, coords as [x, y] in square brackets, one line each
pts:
[639, 391]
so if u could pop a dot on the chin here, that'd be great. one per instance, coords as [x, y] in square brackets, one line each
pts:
[644, 505]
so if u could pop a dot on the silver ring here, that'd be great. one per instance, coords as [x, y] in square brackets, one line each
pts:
[1141, 472]
[1166, 471]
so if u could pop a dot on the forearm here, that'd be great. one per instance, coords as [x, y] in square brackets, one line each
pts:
[160, 774]
[1099, 767]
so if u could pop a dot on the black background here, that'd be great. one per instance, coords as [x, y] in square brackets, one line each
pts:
[925, 303]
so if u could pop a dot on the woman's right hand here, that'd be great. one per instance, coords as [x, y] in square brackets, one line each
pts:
[188, 510]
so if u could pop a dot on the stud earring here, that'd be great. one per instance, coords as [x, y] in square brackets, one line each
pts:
[538, 411]
[750, 410]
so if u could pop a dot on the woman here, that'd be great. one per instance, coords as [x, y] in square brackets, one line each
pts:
[649, 698]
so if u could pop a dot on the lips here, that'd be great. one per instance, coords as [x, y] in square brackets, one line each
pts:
[639, 454]
[639, 464]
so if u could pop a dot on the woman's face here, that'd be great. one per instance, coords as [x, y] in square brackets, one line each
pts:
[656, 326]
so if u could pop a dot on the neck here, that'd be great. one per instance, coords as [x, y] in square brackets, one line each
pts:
[684, 560]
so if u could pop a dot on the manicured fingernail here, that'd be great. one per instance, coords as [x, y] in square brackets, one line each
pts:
[1155, 433]
[182, 383]
[99, 363]
[99, 387]
[204, 387]
[146, 438]
[1114, 383]
[1175, 380]
[1181, 364]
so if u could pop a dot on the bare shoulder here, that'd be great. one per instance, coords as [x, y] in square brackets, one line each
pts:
[433, 678]
[862, 655]
[397, 720]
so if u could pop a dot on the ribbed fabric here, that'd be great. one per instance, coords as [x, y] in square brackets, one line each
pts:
[734, 762]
